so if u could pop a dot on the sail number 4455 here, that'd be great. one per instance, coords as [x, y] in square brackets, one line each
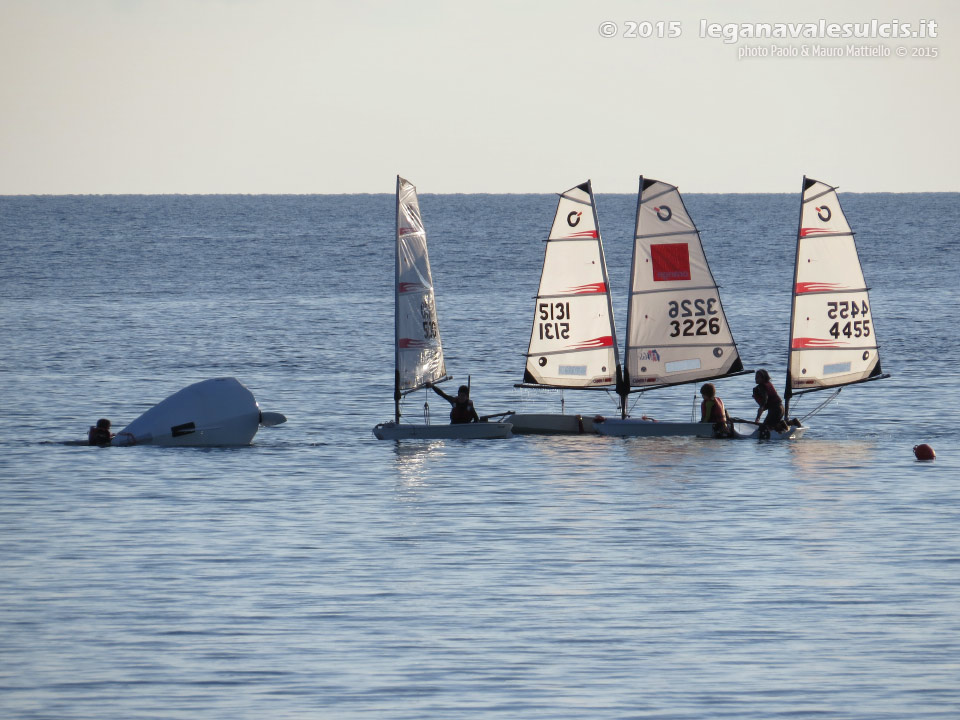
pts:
[554, 320]
[695, 317]
[847, 311]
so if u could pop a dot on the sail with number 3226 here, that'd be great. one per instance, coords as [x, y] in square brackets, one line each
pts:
[677, 331]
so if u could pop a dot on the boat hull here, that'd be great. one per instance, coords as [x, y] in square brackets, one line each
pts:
[637, 427]
[211, 413]
[460, 431]
[551, 424]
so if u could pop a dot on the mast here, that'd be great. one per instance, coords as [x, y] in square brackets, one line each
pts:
[623, 387]
[788, 390]
[397, 395]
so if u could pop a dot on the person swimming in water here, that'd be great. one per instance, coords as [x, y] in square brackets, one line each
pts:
[100, 434]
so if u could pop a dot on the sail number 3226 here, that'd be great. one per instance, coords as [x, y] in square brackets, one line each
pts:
[694, 317]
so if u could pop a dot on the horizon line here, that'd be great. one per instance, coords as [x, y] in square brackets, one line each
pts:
[390, 194]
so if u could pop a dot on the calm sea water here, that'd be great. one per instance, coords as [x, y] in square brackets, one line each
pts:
[321, 573]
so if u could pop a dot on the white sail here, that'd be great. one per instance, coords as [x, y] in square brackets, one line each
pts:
[676, 328]
[419, 352]
[833, 340]
[573, 342]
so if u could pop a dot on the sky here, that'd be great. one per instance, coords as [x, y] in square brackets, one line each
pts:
[498, 96]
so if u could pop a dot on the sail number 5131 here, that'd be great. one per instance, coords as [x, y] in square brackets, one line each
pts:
[700, 317]
[553, 320]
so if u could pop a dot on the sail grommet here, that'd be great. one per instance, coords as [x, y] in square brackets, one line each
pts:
[542, 362]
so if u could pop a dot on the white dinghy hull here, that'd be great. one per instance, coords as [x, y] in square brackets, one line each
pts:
[636, 427]
[218, 412]
[461, 431]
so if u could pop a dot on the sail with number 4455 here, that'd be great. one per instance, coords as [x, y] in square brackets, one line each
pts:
[833, 341]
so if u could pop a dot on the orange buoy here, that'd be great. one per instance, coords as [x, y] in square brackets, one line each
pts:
[924, 452]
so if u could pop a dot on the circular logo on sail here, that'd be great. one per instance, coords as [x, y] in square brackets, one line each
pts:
[663, 212]
[820, 213]
[573, 219]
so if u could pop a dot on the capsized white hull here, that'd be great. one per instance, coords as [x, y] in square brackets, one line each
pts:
[460, 431]
[551, 424]
[217, 412]
[638, 427]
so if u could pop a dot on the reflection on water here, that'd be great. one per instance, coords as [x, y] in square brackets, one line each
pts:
[834, 458]
[410, 461]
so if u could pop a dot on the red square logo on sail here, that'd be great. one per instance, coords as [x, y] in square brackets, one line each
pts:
[671, 261]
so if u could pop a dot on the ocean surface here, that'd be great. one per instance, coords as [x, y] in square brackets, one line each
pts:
[321, 573]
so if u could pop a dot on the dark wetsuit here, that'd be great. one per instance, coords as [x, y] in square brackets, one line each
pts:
[99, 436]
[768, 399]
[461, 412]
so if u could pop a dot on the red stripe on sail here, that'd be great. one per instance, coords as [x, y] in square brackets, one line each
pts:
[802, 343]
[584, 234]
[408, 343]
[411, 287]
[806, 287]
[587, 289]
[600, 342]
[813, 231]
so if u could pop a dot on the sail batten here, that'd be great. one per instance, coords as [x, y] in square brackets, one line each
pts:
[573, 339]
[677, 330]
[654, 291]
[833, 339]
[666, 234]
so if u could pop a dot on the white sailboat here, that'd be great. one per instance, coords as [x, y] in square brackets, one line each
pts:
[677, 331]
[573, 341]
[833, 341]
[418, 351]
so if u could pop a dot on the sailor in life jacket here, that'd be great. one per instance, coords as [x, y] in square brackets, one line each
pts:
[712, 411]
[769, 401]
[100, 434]
[462, 410]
